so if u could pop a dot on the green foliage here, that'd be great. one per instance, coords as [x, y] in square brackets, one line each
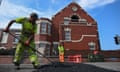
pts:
[95, 58]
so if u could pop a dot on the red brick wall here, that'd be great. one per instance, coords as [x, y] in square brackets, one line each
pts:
[6, 59]
[10, 40]
[0, 35]
[76, 30]
[111, 53]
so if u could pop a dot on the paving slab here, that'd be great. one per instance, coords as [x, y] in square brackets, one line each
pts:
[108, 65]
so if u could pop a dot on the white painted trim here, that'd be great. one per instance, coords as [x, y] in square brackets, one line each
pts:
[39, 21]
[67, 29]
[46, 42]
[44, 34]
[17, 33]
[82, 37]
[79, 24]
[55, 42]
[84, 20]
[3, 48]
[38, 28]
[15, 42]
[89, 24]
[4, 37]
[67, 18]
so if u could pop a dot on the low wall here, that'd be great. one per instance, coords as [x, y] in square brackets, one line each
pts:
[9, 59]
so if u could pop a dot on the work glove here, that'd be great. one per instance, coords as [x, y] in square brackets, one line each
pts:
[27, 43]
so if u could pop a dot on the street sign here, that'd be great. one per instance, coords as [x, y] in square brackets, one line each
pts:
[117, 39]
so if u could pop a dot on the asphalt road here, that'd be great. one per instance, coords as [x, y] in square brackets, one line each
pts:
[29, 68]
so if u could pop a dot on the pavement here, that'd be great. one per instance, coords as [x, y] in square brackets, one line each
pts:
[29, 68]
[107, 65]
[12, 68]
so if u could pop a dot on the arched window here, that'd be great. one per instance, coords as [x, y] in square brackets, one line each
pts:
[74, 18]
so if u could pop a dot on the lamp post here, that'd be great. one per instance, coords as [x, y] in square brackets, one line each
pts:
[0, 2]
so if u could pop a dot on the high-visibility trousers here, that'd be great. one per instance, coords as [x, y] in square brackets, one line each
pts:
[20, 50]
[61, 57]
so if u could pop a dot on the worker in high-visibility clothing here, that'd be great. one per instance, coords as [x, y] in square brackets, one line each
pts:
[29, 28]
[61, 52]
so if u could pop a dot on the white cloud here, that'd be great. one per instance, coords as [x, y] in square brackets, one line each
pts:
[94, 3]
[10, 11]
[53, 1]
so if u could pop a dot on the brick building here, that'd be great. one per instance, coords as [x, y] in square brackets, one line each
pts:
[71, 26]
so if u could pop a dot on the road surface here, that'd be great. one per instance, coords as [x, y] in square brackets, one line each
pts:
[29, 68]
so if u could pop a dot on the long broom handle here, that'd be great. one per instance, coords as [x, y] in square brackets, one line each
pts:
[31, 47]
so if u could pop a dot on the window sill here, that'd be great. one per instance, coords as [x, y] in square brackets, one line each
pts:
[15, 42]
[45, 34]
[67, 40]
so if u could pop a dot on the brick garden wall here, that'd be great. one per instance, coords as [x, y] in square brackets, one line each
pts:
[109, 56]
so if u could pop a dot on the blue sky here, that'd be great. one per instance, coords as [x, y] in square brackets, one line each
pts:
[105, 12]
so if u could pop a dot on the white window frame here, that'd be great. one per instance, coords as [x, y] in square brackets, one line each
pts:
[48, 49]
[68, 35]
[66, 20]
[49, 29]
[91, 45]
[4, 37]
[17, 34]
[42, 45]
[55, 48]
[43, 28]
[84, 21]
